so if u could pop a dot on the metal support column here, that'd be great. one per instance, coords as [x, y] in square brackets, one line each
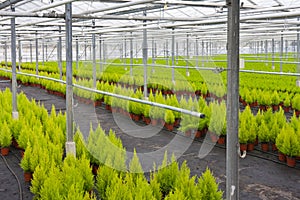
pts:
[94, 56]
[167, 52]
[153, 55]
[262, 49]
[5, 53]
[20, 54]
[177, 53]
[173, 56]
[59, 51]
[43, 52]
[77, 54]
[36, 55]
[197, 53]
[30, 47]
[131, 53]
[286, 48]
[266, 51]
[70, 144]
[100, 54]
[273, 53]
[85, 47]
[187, 56]
[207, 55]
[136, 49]
[145, 54]
[298, 55]
[202, 51]
[232, 150]
[281, 51]
[125, 54]
[46, 51]
[15, 113]
[104, 55]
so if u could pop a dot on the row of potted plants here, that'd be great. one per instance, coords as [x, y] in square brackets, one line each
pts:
[71, 178]
[199, 86]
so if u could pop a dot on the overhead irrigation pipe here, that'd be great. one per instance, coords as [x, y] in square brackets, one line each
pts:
[192, 113]
[184, 111]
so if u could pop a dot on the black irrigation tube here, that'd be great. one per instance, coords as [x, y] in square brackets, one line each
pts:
[14, 174]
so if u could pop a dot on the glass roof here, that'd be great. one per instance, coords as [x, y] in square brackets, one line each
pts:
[203, 19]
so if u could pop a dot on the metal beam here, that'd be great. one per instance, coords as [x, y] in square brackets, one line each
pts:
[8, 3]
[13, 63]
[70, 144]
[36, 55]
[94, 58]
[145, 56]
[59, 52]
[131, 53]
[232, 156]
[173, 56]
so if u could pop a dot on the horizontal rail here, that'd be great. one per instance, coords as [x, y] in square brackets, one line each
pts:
[192, 113]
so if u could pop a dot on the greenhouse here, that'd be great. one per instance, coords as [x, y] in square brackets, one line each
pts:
[150, 99]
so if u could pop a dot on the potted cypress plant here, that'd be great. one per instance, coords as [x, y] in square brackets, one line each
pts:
[26, 163]
[243, 135]
[264, 136]
[275, 100]
[290, 145]
[5, 138]
[279, 142]
[287, 104]
[169, 119]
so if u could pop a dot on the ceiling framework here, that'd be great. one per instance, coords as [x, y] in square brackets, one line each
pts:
[207, 19]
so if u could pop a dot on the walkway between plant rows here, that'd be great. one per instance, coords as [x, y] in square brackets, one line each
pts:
[259, 178]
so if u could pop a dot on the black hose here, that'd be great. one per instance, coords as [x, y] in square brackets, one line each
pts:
[10, 169]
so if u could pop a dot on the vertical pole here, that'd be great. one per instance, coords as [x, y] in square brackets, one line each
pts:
[266, 51]
[91, 49]
[173, 56]
[94, 56]
[20, 54]
[197, 52]
[177, 52]
[131, 53]
[30, 47]
[273, 53]
[70, 144]
[145, 55]
[85, 46]
[36, 55]
[46, 51]
[202, 51]
[262, 49]
[77, 54]
[104, 54]
[136, 49]
[153, 55]
[286, 48]
[5, 53]
[257, 49]
[59, 51]
[232, 164]
[281, 51]
[207, 55]
[121, 51]
[100, 54]
[15, 114]
[187, 55]
[125, 55]
[167, 52]
[298, 53]
[43, 52]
